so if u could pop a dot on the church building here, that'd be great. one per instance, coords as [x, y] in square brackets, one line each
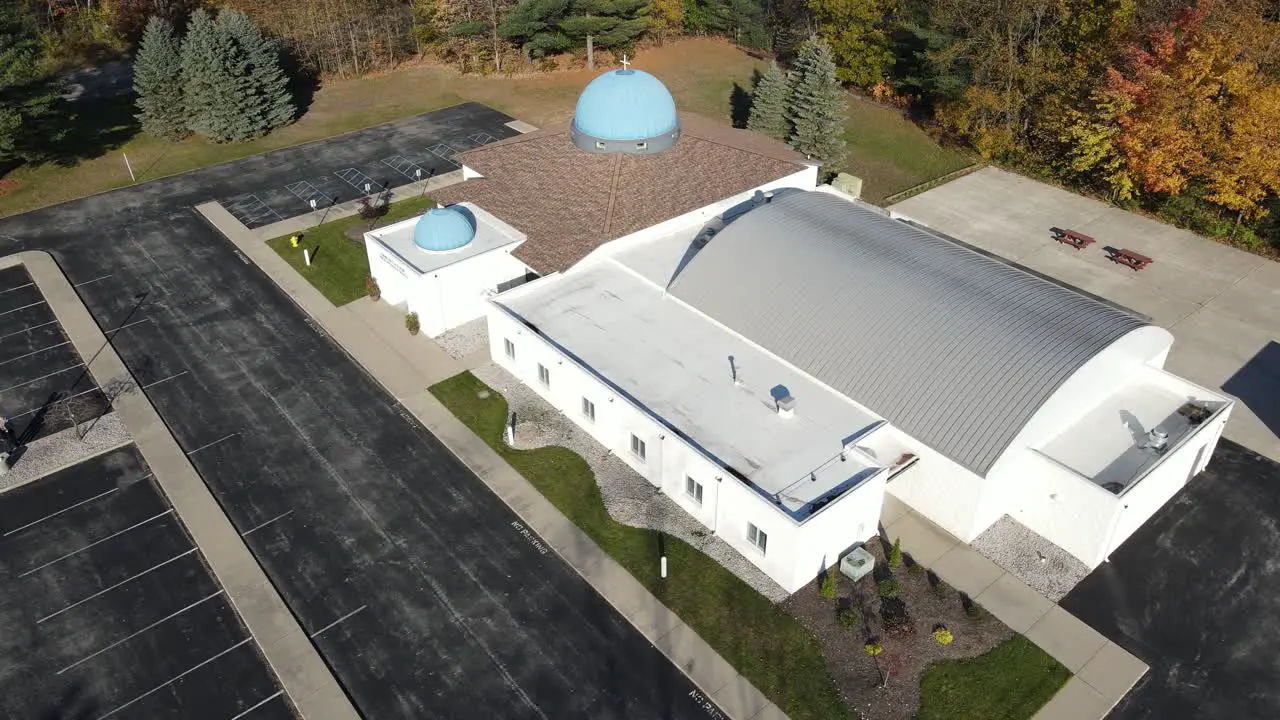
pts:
[776, 355]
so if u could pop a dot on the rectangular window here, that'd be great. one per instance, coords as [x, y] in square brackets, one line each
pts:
[588, 410]
[693, 489]
[510, 347]
[757, 537]
[637, 447]
[544, 376]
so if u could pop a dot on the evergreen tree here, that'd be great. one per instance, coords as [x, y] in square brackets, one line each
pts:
[545, 27]
[200, 70]
[818, 106]
[266, 103]
[28, 96]
[769, 105]
[157, 80]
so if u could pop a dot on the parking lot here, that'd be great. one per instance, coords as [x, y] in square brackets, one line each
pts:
[1221, 304]
[356, 175]
[38, 365]
[108, 610]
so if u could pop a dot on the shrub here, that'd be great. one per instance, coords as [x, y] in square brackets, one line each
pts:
[888, 587]
[942, 635]
[895, 554]
[915, 568]
[873, 648]
[411, 323]
[371, 287]
[828, 587]
[893, 613]
[941, 588]
[849, 619]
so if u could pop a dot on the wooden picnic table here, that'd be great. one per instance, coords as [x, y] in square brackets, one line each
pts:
[1128, 258]
[1077, 240]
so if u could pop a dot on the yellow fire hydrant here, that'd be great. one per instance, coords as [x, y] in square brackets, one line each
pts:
[293, 241]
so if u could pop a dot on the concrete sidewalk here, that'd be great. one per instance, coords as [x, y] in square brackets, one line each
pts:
[304, 676]
[373, 334]
[1102, 672]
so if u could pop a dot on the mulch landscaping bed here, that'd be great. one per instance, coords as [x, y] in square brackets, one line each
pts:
[907, 649]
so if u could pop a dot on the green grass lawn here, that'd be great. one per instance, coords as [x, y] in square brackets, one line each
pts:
[339, 266]
[890, 153]
[764, 643]
[1011, 682]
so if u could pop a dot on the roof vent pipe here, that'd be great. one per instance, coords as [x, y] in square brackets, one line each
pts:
[786, 406]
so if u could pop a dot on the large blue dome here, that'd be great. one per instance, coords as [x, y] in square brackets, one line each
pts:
[625, 110]
[444, 228]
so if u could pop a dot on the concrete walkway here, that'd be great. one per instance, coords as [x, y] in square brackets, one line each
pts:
[301, 671]
[1102, 672]
[373, 335]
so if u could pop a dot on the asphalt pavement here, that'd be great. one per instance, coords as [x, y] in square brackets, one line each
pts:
[108, 610]
[402, 565]
[1195, 593]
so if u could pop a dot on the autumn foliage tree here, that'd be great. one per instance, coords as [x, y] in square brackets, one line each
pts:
[1187, 107]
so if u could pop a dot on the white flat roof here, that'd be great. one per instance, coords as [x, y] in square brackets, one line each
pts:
[491, 234]
[1105, 444]
[677, 363]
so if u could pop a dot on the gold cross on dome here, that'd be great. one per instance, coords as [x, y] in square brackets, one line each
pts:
[626, 64]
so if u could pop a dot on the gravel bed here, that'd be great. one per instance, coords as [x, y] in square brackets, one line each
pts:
[466, 339]
[629, 498]
[44, 456]
[1047, 568]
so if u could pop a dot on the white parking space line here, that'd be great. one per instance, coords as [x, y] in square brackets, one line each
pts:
[97, 542]
[172, 680]
[268, 522]
[131, 636]
[17, 287]
[209, 445]
[262, 702]
[26, 330]
[113, 587]
[135, 322]
[59, 372]
[38, 409]
[34, 352]
[157, 382]
[86, 282]
[24, 307]
[69, 508]
[356, 179]
[335, 622]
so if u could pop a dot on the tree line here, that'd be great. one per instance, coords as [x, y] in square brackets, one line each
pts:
[1167, 105]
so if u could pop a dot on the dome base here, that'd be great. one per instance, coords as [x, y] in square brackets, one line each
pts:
[646, 146]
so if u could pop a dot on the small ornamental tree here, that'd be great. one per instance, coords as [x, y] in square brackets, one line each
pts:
[849, 618]
[769, 104]
[873, 648]
[818, 106]
[371, 287]
[411, 323]
[827, 588]
[888, 587]
[157, 81]
[895, 553]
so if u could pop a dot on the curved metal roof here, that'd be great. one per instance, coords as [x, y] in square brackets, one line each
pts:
[955, 348]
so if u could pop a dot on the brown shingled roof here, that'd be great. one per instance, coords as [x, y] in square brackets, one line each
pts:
[569, 202]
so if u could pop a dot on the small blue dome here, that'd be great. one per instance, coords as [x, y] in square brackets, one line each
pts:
[444, 228]
[625, 104]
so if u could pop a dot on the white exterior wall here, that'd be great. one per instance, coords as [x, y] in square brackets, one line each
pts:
[795, 551]
[1100, 377]
[1149, 494]
[937, 487]
[1061, 506]
[444, 298]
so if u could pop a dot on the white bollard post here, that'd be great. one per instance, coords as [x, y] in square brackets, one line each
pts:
[306, 256]
[664, 567]
[511, 436]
